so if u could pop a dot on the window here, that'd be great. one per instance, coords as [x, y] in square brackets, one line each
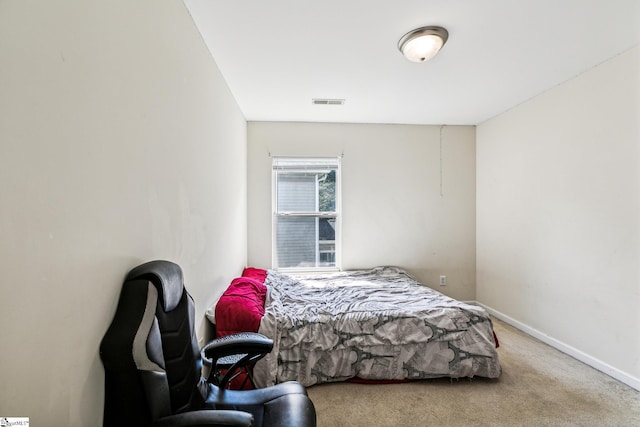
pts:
[306, 226]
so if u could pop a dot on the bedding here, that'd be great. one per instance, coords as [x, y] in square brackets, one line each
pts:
[241, 306]
[378, 324]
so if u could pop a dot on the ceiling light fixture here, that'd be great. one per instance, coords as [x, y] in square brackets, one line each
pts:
[423, 43]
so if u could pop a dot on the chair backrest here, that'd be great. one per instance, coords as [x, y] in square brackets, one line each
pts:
[150, 352]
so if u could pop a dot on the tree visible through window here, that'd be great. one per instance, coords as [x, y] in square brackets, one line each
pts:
[306, 226]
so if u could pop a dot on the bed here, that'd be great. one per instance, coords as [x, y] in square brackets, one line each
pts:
[374, 325]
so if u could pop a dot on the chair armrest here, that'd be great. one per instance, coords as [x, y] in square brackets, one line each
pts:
[248, 347]
[213, 418]
[244, 342]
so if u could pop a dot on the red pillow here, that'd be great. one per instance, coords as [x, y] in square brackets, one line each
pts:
[255, 273]
[240, 307]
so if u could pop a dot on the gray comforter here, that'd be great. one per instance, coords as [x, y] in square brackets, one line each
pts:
[377, 324]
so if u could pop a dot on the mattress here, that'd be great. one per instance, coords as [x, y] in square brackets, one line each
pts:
[377, 324]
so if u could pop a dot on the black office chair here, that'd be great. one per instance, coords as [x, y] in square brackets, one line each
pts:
[223, 360]
[153, 364]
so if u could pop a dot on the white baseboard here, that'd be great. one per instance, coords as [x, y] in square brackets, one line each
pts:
[619, 375]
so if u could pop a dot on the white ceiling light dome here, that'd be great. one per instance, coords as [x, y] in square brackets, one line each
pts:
[423, 43]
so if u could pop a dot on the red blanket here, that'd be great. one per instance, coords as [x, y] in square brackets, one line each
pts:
[241, 306]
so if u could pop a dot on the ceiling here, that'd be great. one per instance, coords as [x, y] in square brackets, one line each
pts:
[278, 55]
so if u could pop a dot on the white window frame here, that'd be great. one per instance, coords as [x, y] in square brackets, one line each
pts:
[320, 163]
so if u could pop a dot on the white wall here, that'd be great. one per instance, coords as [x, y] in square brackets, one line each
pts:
[119, 143]
[558, 214]
[393, 211]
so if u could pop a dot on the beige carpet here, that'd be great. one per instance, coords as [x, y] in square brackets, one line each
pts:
[539, 386]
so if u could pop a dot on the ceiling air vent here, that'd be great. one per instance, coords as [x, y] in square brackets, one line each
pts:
[318, 101]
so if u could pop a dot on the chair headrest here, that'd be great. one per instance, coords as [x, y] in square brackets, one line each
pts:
[166, 276]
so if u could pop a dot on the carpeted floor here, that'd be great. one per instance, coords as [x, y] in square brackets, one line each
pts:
[539, 386]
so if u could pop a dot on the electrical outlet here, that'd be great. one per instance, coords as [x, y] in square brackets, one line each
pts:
[443, 280]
